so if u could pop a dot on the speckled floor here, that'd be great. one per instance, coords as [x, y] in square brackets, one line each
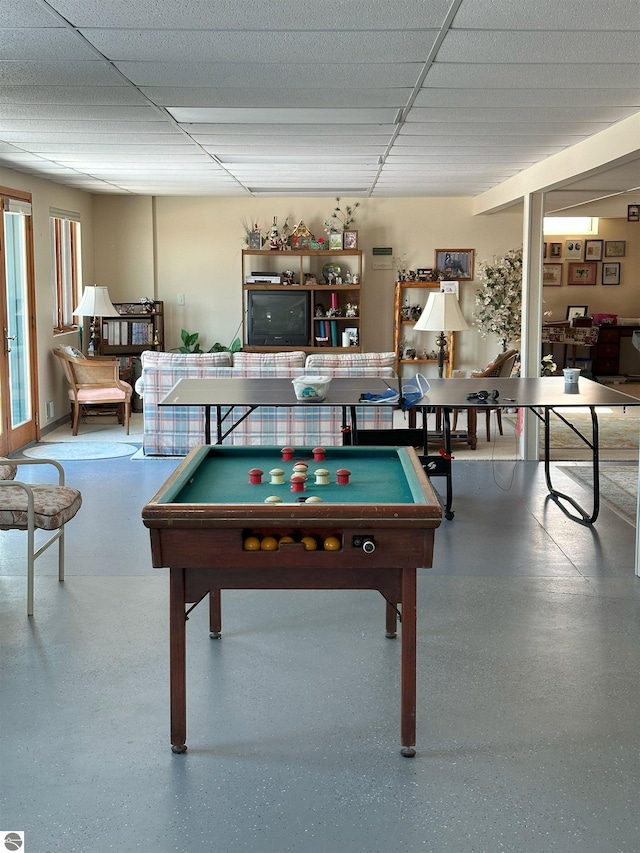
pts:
[528, 692]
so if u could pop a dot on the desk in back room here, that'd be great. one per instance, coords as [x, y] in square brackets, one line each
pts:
[382, 524]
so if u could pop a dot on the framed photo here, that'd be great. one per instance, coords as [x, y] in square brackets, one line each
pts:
[335, 240]
[584, 273]
[455, 263]
[555, 250]
[349, 239]
[544, 250]
[576, 311]
[633, 213]
[424, 273]
[611, 272]
[255, 240]
[450, 287]
[574, 250]
[552, 275]
[615, 248]
[593, 250]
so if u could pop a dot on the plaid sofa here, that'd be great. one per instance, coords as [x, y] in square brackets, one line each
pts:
[174, 430]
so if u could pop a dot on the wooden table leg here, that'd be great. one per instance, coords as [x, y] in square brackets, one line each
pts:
[177, 660]
[215, 614]
[408, 689]
[392, 621]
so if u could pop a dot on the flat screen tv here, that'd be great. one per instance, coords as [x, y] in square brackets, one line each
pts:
[278, 318]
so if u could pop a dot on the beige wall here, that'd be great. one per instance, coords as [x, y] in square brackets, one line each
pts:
[622, 299]
[199, 243]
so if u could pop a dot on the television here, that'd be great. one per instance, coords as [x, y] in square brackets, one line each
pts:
[278, 317]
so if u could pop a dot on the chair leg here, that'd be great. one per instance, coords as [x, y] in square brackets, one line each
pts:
[76, 418]
[61, 555]
[127, 415]
[30, 568]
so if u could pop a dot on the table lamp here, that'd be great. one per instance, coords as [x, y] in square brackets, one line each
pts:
[441, 314]
[95, 303]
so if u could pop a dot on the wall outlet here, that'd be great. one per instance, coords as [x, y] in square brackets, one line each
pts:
[50, 409]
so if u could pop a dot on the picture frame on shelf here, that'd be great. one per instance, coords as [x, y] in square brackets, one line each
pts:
[335, 240]
[255, 240]
[450, 287]
[615, 248]
[555, 250]
[574, 311]
[593, 250]
[611, 272]
[424, 273]
[633, 213]
[582, 273]
[574, 250]
[349, 239]
[455, 263]
[552, 275]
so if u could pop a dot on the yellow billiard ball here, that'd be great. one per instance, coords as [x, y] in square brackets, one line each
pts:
[285, 540]
[252, 543]
[309, 543]
[332, 543]
[269, 543]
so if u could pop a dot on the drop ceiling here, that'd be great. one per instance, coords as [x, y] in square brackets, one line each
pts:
[317, 98]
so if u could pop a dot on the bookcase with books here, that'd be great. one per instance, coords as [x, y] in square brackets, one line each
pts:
[133, 330]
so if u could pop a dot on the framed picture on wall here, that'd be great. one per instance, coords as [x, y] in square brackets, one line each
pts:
[615, 248]
[633, 213]
[611, 272]
[456, 264]
[450, 287]
[584, 273]
[593, 250]
[552, 275]
[574, 250]
[555, 250]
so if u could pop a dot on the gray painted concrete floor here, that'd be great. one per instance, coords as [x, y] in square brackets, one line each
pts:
[528, 692]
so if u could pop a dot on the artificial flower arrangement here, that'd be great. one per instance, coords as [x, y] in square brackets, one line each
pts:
[548, 366]
[341, 220]
[499, 298]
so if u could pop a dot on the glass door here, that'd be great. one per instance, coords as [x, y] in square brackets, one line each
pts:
[17, 320]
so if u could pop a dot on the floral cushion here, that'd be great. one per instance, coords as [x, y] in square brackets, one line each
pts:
[7, 470]
[53, 505]
[72, 351]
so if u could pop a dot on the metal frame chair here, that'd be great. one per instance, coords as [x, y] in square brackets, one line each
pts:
[32, 506]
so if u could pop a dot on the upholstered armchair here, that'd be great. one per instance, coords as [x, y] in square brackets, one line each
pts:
[31, 506]
[94, 381]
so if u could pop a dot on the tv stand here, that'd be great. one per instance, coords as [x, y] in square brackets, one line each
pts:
[335, 308]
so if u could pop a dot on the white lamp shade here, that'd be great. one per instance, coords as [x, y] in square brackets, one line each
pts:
[95, 302]
[441, 314]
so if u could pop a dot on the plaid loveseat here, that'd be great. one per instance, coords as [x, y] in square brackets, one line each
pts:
[174, 430]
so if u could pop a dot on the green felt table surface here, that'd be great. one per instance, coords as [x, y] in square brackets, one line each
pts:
[379, 475]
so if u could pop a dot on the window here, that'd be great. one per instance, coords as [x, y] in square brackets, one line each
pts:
[66, 267]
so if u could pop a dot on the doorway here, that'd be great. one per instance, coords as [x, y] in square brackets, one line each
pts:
[18, 375]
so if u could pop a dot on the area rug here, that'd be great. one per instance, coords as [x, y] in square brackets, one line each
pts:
[614, 432]
[69, 451]
[618, 486]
